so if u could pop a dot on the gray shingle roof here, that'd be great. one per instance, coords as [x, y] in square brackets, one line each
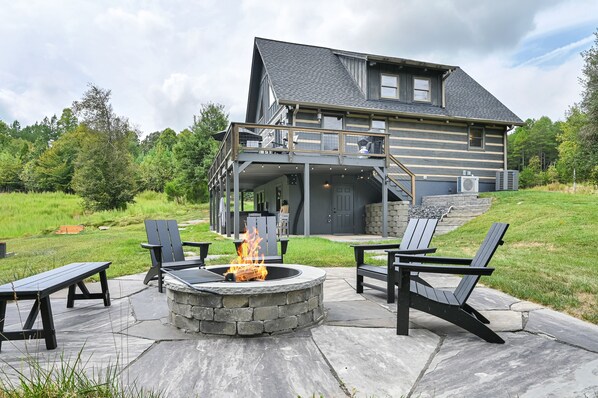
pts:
[315, 75]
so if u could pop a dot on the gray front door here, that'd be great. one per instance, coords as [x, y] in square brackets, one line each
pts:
[342, 209]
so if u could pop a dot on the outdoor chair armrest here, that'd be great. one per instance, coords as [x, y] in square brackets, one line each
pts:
[150, 246]
[156, 251]
[359, 250]
[203, 247]
[284, 242]
[196, 244]
[434, 260]
[381, 246]
[411, 251]
[435, 269]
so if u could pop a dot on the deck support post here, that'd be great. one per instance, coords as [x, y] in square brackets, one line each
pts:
[236, 198]
[227, 204]
[306, 200]
[384, 204]
[384, 178]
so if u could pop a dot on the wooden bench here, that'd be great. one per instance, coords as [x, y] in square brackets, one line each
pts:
[39, 287]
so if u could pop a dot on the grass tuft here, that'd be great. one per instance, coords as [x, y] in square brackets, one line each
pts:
[67, 378]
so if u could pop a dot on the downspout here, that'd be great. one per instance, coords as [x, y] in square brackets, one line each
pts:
[505, 140]
[443, 88]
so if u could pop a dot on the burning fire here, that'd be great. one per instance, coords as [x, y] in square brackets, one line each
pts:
[249, 264]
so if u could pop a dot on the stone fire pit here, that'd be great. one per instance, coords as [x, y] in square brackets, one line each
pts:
[249, 308]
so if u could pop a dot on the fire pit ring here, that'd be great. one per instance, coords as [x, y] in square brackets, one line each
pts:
[292, 299]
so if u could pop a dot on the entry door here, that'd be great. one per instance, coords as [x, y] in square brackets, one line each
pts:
[342, 209]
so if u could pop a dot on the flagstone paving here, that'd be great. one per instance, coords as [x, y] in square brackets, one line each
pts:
[354, 352]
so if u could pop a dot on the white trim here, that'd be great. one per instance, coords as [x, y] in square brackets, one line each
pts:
[419, 166]
[443, 150]
[429, 99]
[452, 159]
[396, 88]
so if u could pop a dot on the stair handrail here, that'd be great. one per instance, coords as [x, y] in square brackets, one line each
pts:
[408, 192]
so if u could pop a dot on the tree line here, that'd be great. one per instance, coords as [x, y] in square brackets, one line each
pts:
[563, 151]
[92, 152]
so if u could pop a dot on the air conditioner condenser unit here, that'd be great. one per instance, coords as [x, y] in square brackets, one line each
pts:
[468, 184]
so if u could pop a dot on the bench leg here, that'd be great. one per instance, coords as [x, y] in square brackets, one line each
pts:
[85, 293]
[48, 323]
[2, 315]
[70, 300]
[105, 291]
[32, 315]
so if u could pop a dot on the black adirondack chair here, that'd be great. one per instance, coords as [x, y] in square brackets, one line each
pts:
[450, 306]
[266, 228]
[416, 240]
[166, 249]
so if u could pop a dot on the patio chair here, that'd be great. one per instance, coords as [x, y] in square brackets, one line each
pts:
[166, 250]
[266, 228]
[283, 224]
[416, 240]
[450, 306]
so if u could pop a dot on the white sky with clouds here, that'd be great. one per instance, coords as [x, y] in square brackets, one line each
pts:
[163, 59]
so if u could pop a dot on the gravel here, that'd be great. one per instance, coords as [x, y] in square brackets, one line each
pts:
[427, 211]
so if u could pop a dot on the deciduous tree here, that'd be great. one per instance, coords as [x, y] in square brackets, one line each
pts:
[104, 175]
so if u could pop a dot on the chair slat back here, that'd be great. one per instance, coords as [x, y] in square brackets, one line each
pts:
[482, 259]
[166, 234]
[266, 228]
[175, 240]
[419, 233]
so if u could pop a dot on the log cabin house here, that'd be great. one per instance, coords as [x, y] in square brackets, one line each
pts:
[331, 131]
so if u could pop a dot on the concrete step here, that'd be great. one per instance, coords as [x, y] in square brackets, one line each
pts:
[455, 220]
[444, 229]
[471, 208]
[465, 213]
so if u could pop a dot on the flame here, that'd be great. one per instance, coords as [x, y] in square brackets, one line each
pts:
[249, 261]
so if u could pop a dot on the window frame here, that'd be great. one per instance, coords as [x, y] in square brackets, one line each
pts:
[482, 139]
[382, 85]
[429, 80]
[376, 119]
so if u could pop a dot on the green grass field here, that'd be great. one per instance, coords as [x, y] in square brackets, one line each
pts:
[550, 255]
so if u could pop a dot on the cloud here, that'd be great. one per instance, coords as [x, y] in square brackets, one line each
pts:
[163, 59]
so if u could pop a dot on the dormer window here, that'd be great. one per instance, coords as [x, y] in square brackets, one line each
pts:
[421, 89]
[389, 86]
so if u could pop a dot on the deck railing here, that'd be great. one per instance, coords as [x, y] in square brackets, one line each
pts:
[280, 139]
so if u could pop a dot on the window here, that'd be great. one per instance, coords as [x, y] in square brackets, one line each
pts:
[421, 89]
[260, 198]
[332, 122]
[378, 124]
[389, 86]
[476, 137]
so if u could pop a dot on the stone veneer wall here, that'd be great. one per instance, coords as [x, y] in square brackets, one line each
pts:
[398, 216]
[245, 315]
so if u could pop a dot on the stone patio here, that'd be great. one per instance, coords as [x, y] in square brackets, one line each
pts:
[354, 352]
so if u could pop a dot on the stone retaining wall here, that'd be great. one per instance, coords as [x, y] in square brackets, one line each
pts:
[245, 315]
[398, 216]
